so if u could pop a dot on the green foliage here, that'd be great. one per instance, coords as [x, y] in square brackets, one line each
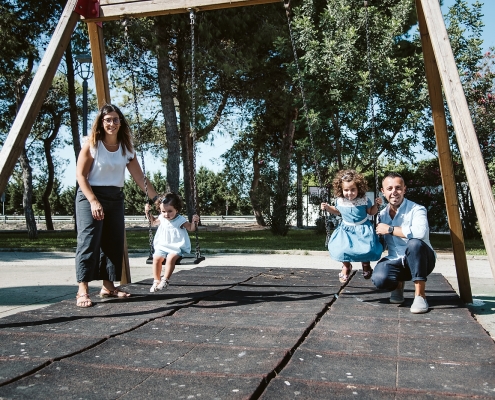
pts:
[66, 200]
[13, 195]
[135, 198]
[477, 73]
[217, 197]
[24, 25]
[331, 37]
[424, 186]
[61, 200]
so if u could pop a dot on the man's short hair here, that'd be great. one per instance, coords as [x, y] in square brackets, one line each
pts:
[393, 175]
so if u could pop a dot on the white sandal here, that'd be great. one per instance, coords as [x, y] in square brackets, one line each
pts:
[163, 284]
[154, 287]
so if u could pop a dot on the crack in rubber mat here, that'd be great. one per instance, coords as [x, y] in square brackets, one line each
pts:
[248, 333]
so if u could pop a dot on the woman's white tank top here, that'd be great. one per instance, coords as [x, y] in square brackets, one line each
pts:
[108, 168]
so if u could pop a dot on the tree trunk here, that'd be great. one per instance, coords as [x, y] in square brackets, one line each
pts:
[47, 145]
[280, 210]
[168, 106]
[27, 196]
[468, 213]
[27, 171]
[299, 192]
[253, 192]
[338, 144]
[74, 120]
[73, 114]
[186, 149]
[185, 123]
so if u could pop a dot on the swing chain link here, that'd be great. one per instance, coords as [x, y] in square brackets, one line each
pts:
[125, 23]
[374, 133]
[306, 113]
[192, 16]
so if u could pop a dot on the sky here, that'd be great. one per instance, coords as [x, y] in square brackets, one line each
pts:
[209, 155]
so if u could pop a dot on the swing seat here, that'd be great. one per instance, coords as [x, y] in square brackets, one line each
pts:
[186, 259]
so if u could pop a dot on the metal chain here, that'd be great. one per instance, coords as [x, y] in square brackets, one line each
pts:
[192, 16]
[374, 134]
[371, 98]
[125, 24]
[306, 112]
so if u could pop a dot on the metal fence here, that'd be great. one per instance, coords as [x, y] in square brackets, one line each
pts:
[209, 219]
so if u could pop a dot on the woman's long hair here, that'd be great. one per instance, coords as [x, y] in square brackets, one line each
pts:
[123, 135]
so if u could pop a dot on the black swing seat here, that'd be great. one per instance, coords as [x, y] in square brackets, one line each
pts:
[186, 259]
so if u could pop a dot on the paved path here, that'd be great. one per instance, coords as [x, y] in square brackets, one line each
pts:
[238, 327]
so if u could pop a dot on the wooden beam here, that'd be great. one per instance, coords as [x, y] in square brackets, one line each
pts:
[126, 268]
[99, 63]
[445, 160]
[36, 94]
[112, 10]
[467, 140]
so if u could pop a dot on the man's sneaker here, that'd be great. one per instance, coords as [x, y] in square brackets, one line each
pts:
[397, 295]
[163, 284]
[419, 305]
[154, 287]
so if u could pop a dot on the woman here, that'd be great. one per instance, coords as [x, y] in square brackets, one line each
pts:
[100, 202]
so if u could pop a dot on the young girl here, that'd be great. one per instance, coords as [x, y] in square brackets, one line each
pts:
[355, 238]
[171, 239]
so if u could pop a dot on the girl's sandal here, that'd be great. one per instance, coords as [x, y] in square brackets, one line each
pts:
[83, 300]
[344, 278]
[116, 293]
[367, 272]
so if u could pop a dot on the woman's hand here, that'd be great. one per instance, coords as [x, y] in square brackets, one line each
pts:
[97, 210]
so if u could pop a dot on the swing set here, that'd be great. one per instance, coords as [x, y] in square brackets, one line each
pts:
[185, 259]
[441, 72]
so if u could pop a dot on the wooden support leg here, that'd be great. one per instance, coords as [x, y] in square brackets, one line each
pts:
[472, 159]
[95, 32]
[126, 269]
[445, 159]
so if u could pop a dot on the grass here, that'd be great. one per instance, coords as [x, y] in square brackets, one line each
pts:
[226, 241]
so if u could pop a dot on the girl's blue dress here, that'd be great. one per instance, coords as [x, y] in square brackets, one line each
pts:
[355, 238]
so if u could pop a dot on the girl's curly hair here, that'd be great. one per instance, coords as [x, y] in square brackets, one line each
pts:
[349, 175]
[170, 199]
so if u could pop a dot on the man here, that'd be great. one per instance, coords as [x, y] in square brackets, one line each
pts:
[404, 227]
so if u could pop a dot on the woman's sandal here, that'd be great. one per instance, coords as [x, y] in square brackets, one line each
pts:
[116, 293]
[367, 272]
[83, 300]
[344, 278]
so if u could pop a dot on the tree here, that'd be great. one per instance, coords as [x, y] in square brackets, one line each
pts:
[217, 197]
[46, 129]
[134, 196]
[335, 74]
[23, 27]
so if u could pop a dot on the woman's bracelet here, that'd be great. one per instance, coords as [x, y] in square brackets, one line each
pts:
[152, 201]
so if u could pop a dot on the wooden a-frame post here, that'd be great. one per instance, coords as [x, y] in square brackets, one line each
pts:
[445, 159]
[439, 63]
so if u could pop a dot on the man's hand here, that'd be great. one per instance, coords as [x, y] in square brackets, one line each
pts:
[382, 229]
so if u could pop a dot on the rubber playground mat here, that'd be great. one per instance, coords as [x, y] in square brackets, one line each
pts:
[249, 333]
